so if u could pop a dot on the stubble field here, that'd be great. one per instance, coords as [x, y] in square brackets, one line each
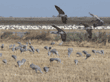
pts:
[94, 69]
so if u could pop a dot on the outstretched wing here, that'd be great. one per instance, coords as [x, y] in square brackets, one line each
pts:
[59, 30]
[91, 14]
[59, 10]
[95, 16]
[63, 35]
[64, 19]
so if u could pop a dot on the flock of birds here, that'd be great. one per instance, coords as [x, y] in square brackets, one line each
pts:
[23, 48]
[97, 22]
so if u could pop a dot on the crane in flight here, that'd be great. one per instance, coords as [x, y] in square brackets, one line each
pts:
[100, 22]
[62, 33]
[61, 14]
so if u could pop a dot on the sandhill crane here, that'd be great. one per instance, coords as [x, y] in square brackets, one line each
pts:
[19, 42]
[13, 49]
[61, 14]
[22, 50]
[88, 29]
[98, 51]
[29, 42]
[87, 56]
[46, 69]
[15, 57]
[85, 52]
[0, 54]
[29, 50]
[21, 62]
[38, 50]
[54, 51]
[57, 59]
[2, 46]
[32, 48]
[61, 32]
[76, 61]
[18, 47]
[79, 53]
[47, 48]
[70, 50]
[52, 43]
[5, 61]
[36, 68]
[100, 22]
[10, 46]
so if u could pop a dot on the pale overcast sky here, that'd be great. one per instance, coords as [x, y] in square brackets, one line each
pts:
[45, 8]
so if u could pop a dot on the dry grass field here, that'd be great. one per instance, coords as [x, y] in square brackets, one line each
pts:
[94, 69]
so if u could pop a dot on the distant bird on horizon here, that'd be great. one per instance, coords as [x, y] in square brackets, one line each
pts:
[61, 14]
[61, 32]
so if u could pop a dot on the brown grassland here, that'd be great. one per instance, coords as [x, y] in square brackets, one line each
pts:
[49, 20]
[94, 69]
